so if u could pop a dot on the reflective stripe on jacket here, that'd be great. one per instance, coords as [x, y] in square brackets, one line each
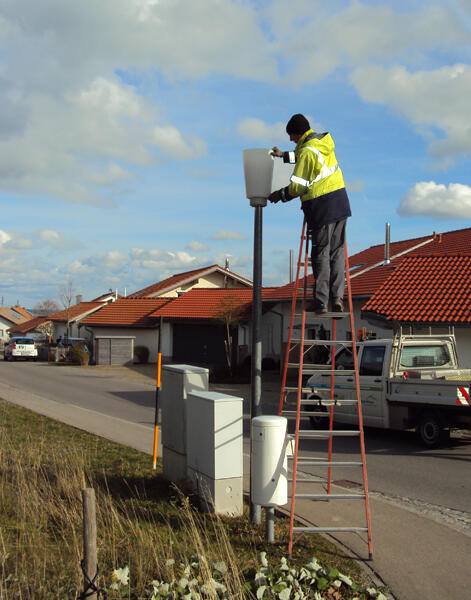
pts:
[317, 171]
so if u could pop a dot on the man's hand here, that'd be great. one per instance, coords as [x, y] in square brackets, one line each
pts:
[275, 196]
[276, 152]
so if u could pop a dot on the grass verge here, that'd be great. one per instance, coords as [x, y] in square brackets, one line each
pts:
[142, 522]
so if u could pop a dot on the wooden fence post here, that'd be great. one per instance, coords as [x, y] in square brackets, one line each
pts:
[89, 543]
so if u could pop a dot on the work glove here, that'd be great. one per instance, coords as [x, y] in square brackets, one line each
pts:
[275, 197]
[275, 151]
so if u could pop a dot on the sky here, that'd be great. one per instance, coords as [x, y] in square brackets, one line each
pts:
[123, 122]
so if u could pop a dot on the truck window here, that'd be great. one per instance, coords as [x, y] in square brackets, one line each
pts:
[424, 356]
[372, 360]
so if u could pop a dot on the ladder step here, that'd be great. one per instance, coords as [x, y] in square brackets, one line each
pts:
[328, 529]
[320, 434]
[327, 315]
[304, 413]
[311, 369]
[330, 496]
[295, 389]
[323, 342]
[306, 462]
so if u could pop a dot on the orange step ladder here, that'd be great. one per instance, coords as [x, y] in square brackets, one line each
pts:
[320, 410]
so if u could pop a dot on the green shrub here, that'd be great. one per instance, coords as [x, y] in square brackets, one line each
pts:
[141, 353]
[80, 353]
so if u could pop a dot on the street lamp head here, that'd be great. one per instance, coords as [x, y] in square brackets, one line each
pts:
[258, 172]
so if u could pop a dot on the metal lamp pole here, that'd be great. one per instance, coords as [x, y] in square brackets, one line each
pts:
[256, 374]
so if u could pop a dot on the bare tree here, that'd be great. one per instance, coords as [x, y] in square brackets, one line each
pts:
[229, 313]
[66, 294]
[47, 307]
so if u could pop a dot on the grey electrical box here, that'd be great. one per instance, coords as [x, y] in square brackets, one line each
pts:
[215, 450]
[177, 382]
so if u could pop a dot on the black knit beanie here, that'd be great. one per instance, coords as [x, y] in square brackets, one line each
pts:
[297, 125]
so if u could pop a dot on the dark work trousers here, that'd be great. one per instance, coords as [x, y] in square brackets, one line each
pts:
[328, 261]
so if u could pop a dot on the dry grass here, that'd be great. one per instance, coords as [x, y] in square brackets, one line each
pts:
[141, 522]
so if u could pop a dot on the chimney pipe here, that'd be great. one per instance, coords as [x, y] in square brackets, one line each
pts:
[78, 298]
[387, 260]
[290, 266]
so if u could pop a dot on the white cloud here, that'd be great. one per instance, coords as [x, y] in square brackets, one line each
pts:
[4, 237]
[430, 199]
[353, 36]
[171, 141]
[256, 129]
[430, 99]
[56, 239]
[197, 247]
[228, 235]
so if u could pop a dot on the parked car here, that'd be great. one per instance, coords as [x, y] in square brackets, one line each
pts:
[70, 342]
[21, 347]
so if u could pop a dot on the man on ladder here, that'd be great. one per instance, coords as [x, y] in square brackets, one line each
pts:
[317, 179]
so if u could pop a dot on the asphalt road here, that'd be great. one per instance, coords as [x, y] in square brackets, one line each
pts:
[432, 482]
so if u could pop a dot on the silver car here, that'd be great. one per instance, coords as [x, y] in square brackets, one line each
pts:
[21, 347]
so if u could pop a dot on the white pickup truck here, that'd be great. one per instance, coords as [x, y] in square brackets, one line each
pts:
[406, 382]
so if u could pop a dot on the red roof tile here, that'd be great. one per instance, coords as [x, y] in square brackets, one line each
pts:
[426, 289]
[367, 271]
[127, 312]
[366, 280]
[180, 278]
[29, 325]
[76, 311]
[207, 303]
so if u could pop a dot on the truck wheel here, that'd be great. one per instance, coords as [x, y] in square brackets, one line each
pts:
[431, 431]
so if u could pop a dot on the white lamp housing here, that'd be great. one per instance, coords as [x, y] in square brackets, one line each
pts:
[269, 469]
[258, 172]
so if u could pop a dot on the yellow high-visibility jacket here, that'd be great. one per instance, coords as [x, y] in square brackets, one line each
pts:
[317, 171]
[317, 179]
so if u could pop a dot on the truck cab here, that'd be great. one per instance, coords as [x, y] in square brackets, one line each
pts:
[399, 383]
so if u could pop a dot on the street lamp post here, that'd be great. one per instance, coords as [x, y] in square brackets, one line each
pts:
[258, 171]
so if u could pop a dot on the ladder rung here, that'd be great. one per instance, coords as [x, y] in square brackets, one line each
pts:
[327, 434]
[330, 496]
[295, 389]
[325, 463]
[327, 529]
[323, 342]
[327, 315]
[305, 413]
[311, 369]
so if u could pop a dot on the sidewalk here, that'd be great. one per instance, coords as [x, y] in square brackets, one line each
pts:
[415, 556]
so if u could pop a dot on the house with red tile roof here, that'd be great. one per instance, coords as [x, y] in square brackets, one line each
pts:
[66, 323]
[427, 293]
[9, 317]
[37, 327]
[198, 321]
[137, 316]
[125, 323]
[213, 276]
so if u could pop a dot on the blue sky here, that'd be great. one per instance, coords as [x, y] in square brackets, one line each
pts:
[123, 124]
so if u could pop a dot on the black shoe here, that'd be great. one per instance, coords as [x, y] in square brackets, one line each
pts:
[337, 305]
[316, 307]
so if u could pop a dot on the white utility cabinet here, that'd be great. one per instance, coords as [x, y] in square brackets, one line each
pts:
[214, 450]
[177, 382]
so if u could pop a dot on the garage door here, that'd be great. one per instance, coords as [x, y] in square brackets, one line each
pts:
[199, 344]
[114, 351]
